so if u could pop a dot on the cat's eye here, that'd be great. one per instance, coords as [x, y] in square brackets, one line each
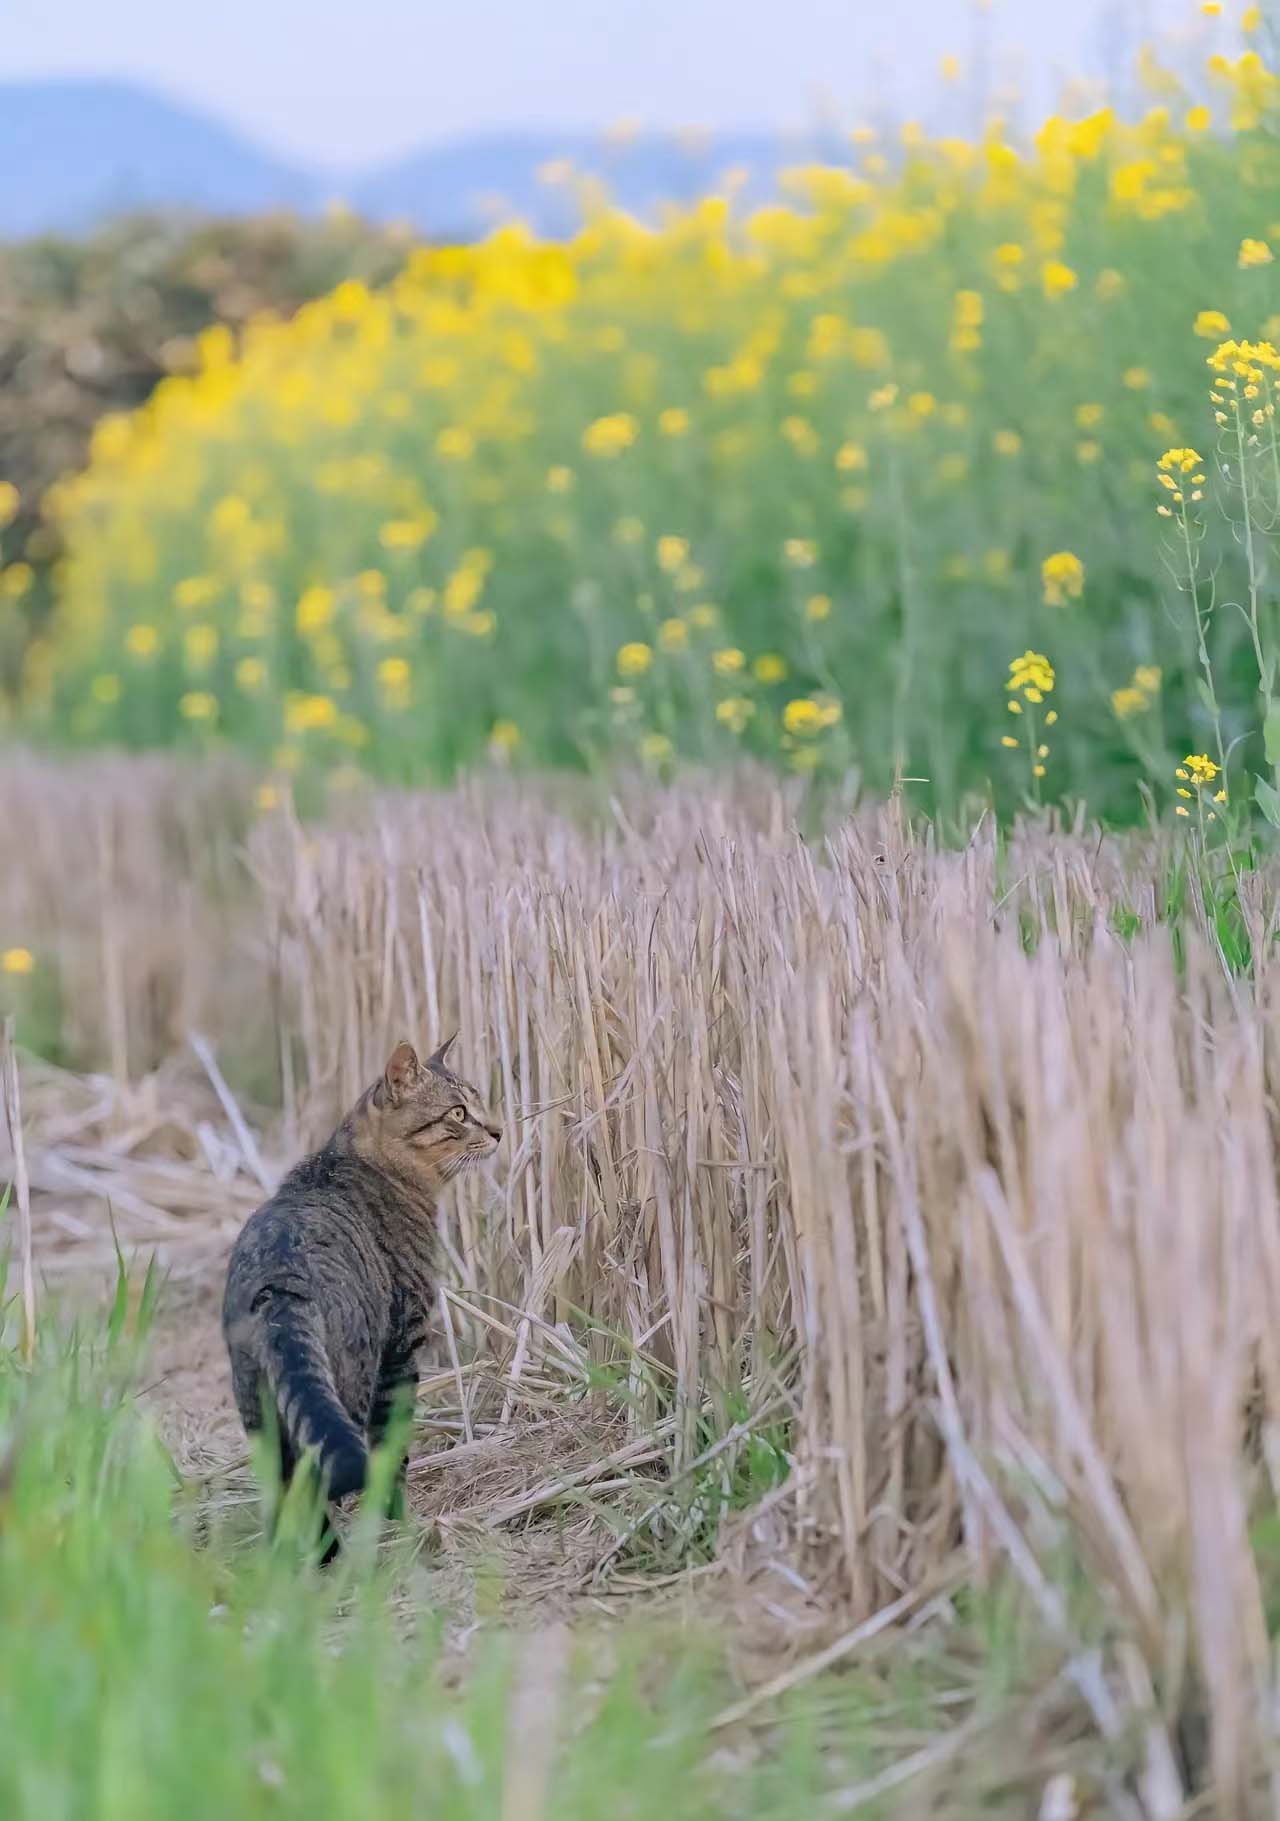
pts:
[456, 1114]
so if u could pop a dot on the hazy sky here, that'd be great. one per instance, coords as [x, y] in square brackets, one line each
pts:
[347, 84]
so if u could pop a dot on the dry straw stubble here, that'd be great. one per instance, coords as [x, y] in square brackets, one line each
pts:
[981, 1194]
[900, 1146]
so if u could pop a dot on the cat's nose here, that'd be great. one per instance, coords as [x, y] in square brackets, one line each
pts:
[495, 1132]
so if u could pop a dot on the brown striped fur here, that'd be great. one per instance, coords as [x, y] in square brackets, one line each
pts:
[329, 1287]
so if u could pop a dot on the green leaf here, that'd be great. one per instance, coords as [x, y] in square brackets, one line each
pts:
[1205, 691]
[1271, 734]
[1268, 800]
[150, 1293]
[120, 1301]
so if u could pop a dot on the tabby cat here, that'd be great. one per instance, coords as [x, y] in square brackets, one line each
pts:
[329, 1287]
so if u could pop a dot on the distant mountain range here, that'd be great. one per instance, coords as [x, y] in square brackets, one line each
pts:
[74, 153]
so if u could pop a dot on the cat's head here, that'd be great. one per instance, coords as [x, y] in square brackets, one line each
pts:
[426, 1119]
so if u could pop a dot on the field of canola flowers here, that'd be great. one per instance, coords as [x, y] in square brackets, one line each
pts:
[948, 468]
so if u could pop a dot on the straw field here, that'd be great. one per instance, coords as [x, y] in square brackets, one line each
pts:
[879, 1223]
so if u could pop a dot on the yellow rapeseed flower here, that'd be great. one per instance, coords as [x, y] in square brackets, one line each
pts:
[455, 443]
[1253, 253]
[560, 479]
[769, 667]
[728, 662]
[316, 608]
[673, 635]
[634, 659]
[17, 961]
[16, 580]
[142, 641]
[304, 713]
[251, 674]
[479, 625]
[504, 735]
[818, 607]
[463, 589]
[609, 436]
[672, 553]
[851, 458]
[407, 533]
[195, 591]
[801, 552]
[801, 434]
[674, 421]
[1063, 577]
[1200, 768]
[1033, 675]
[1176, 461]
[394, 681]
[198, 705]
[1136, 379]
[734, 712]
[968, 309]
[1057, 278]
[655, 747]
[1006, 442]
[10, 501]
[802, 717]
[1212, 325]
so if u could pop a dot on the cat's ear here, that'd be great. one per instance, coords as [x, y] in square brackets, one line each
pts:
[436, 1059]
[402, 1070]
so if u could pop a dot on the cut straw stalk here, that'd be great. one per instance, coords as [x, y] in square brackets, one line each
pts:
[21, 1186]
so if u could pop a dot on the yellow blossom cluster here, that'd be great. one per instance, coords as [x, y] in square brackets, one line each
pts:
[779, 477]
[1062, 575]
[1031, 678]
[1196, 775]
[1139, 695]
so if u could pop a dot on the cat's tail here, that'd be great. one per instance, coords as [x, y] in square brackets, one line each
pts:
[312, 1415]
